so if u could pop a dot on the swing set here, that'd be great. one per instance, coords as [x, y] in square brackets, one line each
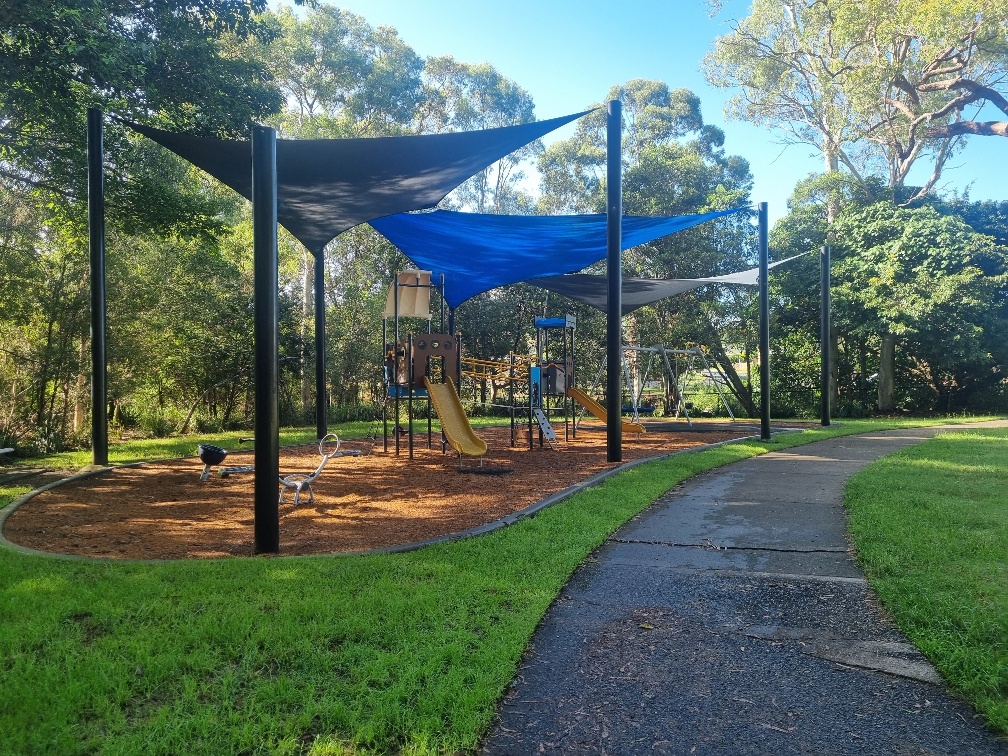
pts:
[680, 369]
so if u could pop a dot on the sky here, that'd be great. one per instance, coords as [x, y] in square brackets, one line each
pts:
[568, 53]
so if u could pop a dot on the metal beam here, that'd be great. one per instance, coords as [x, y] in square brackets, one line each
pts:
[824, 335]
[764, 324]
[614, 271]
[321, 397]
[267, 426]
[96, 249]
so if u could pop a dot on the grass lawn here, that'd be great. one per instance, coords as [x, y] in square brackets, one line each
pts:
[931, 528]
[402, 653]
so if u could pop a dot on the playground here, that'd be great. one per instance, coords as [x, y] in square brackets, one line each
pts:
[161, 510]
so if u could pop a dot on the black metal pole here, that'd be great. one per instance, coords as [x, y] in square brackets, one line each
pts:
[321, 396]
[764, 324]
[96, 245]
[824, 335]
[267, 425]
[614, 261]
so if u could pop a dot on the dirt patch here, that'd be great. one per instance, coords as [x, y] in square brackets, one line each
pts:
[161, 510]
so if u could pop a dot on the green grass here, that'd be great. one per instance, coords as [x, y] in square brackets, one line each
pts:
[931, 528]
[405, 653]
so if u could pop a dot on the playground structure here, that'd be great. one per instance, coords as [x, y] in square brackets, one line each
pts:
[454, 423]
[678, 368]
[414, 364]
[411, 364]
[329, 448]
[550, 376]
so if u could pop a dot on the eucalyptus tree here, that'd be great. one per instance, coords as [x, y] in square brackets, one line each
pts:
[341, 78]
[877, 87]
[896, 80]
[463, 97]
[674, 164]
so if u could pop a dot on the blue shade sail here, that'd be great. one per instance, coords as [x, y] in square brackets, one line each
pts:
[479, 252]
[326, 186]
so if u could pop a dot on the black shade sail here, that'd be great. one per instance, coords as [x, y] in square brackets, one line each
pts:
[326, 186]
[638, 292]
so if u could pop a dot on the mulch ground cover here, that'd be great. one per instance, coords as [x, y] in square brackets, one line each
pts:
[161, 510]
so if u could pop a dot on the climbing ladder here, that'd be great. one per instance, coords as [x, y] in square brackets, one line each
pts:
[547, 429]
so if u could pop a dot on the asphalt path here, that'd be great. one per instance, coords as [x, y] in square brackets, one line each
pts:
[731, 618]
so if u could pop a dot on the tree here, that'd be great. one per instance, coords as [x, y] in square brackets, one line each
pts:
[145, 61]
[462, 97]
[340, 76]
[932, 283]
[895, 79]
[885, 80]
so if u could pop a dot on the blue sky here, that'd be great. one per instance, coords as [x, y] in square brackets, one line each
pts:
[568, 53]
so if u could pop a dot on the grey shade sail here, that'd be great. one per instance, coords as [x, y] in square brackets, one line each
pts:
[638, 292]
[326, 186]
[477, 252]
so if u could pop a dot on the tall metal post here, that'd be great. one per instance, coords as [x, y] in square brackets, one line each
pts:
[824, 335]
[96, 249]
[614, 270]
[265, 293]
[764, 324]
[321, 396]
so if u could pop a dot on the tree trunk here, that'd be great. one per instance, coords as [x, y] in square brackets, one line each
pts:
[834, 372]
[81, 394]
[307, 300]
[887, 373]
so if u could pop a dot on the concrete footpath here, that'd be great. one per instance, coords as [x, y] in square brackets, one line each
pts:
[731, 618]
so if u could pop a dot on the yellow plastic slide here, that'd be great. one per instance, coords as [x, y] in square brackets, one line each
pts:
[599, 411]
[454, 422]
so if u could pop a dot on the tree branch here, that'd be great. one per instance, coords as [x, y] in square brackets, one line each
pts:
[975, 128]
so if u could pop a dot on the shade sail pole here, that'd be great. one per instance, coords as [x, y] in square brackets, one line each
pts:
[614, 271]
[321, 397]
[824, 335]
[265, 259]
[764, 321]
[96, 250]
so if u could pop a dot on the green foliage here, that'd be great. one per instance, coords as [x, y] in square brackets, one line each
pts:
[136, 60]
[934, 283]
[876, 85]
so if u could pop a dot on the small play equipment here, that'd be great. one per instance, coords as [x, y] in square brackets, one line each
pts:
[513, 371]
[454, 423]
[210, 455]
[329, 448]
[551, 376]
[408, 360]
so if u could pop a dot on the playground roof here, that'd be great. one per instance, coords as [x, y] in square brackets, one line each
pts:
[638, 292]
[477, 252]
[326, 186]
